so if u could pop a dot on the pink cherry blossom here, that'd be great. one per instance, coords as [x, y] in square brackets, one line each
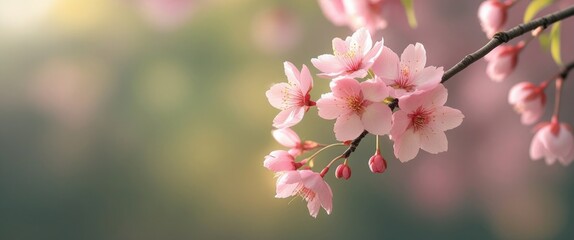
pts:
[553, 141]
[421, 122]
[355, 13]
[292, 98]
[409, 74]
[289, 138]
[492, 16]
[357, 107]
[279, 160]
[528, 100]
[502, 61]
[352, 57]
[310, 186]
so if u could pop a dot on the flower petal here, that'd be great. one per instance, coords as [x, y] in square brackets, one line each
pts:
[286, 137]
[305, 80]
[348, 127]
[374, 90]
[276, 95]
[329, 107]
[377, 119]
[287, 184]
[400, 123]
[445, 118]
[363, 41]
[414, 57]
[434, 142]
[428, 78]
[387, 65]
[406, 147]
[345, 87]
[328, 64]
[289, 117]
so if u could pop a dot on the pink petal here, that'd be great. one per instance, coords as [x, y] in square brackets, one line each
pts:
[400, 123]
[519, 92]
[362, 39]
[292, 73]
[345, 87]
[446, 118]
[286, 137]
[536, 147]
[276, 95]
[348, 127]
[436, 96]
[323, 192]
[372, 55]
[289, 117]
[340, 46]
[287, 184]
[428, 78]
[374, 90]
[305, 80]
[328, 64]
[278, 161]
[501, 67]
[560, 145]
[387, 66]
[329, 107]
[407, 146]
[314, 206]
[434, 142]
[414, 57]
[334, 11]
[377, 119]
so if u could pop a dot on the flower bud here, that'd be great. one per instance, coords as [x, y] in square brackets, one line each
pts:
[343, 171]
[377, 163]
[492, 16]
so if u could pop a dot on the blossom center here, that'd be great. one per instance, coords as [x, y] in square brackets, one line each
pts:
[306, 193]
[292, 96]
[419, 118]
[355, 103]
[403, 82]
[349, 58]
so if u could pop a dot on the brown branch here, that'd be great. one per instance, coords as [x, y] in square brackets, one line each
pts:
[497, 40]
[506, 36]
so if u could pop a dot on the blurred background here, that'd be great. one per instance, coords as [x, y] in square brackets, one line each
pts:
[147, 119]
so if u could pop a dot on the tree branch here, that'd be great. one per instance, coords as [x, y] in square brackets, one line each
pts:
[506, 36]
[497, 40]
[565, 70]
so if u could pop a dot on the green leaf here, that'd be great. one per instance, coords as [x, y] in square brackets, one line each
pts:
[410, 11]
[534, 7]
[544, 40]
[555, 43]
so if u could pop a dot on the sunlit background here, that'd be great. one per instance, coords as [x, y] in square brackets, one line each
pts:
[147, 119]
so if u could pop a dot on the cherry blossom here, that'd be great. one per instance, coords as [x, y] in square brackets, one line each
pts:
[502, 61]
[355, 13]
[289, 138]
[492, 16]
[553, 141]
[357, 107]
[310, 186]
[528, 100]
[352, 57]
[409, 74]
[292, 98]
[279, 160]
[377, 163]
[420, 123]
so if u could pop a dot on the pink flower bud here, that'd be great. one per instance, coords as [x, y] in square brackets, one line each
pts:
[553, 141]
[324, 171]
[528, 100]
[343, 171]
[492, 16]
[502, 61]
[377, 163]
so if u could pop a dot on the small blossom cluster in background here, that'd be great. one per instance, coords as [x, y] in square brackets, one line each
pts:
[366, 81]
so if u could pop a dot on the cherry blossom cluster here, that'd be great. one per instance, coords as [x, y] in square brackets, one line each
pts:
[553, 140]
[366, 80]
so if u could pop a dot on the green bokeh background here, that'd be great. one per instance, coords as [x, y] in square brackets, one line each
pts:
[113, 128]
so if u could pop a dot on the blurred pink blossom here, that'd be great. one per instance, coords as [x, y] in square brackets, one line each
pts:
[553, 141]
[276, 30]
[528, 100]
[421, 122]
[310, 186]
[409, 74]
[292, 98]
[355, 13]
[492, 16]
[167, 14]
[352, 57]
[502, 61]
[357, 107]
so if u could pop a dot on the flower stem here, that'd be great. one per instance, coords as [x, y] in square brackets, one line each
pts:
[322, 149]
